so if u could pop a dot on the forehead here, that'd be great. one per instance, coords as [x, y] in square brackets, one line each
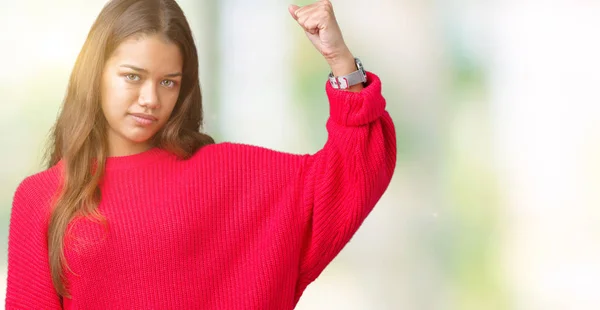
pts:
[150, 52]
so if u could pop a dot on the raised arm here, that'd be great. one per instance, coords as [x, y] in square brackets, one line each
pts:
[345, 179]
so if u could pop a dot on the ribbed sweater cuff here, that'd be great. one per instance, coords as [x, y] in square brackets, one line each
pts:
[356, 108]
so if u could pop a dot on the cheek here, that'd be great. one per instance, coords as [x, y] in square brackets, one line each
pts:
[117, 96]
[168, 102]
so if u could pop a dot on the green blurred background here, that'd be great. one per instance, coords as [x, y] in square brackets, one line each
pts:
[495, 200]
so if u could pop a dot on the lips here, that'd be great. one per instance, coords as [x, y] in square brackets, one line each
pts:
[145, 116]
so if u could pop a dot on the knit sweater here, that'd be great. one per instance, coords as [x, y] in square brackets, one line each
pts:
[235, 226]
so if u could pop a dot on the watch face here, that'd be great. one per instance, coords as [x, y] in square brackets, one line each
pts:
[358, 63]
[360, 67]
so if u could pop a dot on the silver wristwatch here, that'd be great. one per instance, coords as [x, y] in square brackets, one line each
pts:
[344, 82]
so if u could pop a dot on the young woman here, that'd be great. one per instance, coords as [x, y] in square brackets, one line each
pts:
[140, 210]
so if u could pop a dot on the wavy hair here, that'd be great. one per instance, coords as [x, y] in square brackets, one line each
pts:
[78, 138]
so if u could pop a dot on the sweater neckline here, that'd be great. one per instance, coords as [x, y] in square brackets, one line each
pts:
[135, 160]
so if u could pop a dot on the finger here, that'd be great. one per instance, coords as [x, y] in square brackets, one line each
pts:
[312, 24]
[300, 11]
[314, 20]
[293, 9]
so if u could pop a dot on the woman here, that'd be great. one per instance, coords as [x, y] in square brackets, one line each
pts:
[138, 209]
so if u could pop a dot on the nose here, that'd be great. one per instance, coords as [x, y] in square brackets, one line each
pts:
[148, 96]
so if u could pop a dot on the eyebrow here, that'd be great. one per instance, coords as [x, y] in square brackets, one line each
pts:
[146, 71]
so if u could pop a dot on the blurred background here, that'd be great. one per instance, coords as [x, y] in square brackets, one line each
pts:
[495, 202]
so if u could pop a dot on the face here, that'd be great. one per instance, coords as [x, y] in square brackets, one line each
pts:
[140, 86]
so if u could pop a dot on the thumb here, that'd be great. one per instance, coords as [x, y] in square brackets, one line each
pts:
[293, 8]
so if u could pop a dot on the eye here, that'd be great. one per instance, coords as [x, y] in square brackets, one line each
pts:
[168, 83]
[132, 77]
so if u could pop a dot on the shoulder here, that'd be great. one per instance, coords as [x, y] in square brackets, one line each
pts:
[233, 152]
[34, 192]
[246, 160]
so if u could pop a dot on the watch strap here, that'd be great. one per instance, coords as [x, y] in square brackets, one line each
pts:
[346, 81]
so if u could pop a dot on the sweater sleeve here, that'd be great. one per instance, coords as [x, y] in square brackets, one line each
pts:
[344, 180]
[29, 284]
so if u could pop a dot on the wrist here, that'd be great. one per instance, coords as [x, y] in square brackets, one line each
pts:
[347, 73]
[342, 64]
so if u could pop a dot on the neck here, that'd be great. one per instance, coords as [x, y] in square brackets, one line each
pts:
[118, 147]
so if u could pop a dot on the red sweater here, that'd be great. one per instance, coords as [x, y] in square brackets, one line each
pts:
[234, 227]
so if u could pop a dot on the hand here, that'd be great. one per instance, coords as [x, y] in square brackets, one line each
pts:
[321, 27]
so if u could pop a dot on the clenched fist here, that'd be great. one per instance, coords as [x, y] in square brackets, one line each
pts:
[321, 27]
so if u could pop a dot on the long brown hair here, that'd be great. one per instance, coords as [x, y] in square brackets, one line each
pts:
[78, 137]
